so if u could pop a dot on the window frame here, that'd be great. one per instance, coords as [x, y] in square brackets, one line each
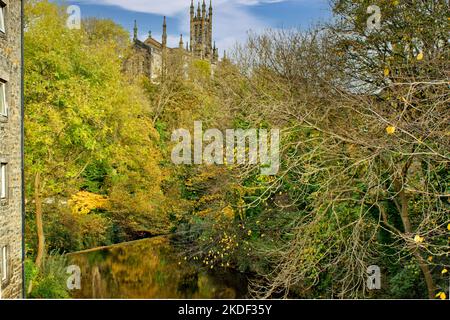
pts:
[4, 181]
[4, 265]
[3, 87]
[3, 6]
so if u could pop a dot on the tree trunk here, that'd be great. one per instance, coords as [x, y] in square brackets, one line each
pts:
[39, 220]
[416, 251]
[427, 274]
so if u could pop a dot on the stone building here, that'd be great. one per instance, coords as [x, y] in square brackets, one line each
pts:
[149, 57]
[11, 276]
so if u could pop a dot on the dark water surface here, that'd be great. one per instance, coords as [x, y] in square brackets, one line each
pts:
[151, 269]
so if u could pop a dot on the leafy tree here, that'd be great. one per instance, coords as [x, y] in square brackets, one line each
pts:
[82, 114]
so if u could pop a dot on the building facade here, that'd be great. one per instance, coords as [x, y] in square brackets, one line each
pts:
[11, 276]
[149, 57]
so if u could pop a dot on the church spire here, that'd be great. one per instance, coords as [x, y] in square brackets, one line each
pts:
[164, 35]
[135, 35]
[181, 44]
[210, 28]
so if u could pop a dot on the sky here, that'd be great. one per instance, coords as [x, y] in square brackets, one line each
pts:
[232, 19]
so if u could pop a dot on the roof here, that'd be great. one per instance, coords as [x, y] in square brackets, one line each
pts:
[142, 45]
[153, 43]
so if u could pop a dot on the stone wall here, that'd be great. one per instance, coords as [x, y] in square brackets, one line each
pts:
[10, 148]
[140, 61]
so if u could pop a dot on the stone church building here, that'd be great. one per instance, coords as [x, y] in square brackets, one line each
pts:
[149, 57]
[11, 245]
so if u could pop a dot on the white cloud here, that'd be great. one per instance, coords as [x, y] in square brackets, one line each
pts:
[170, 7]
[232, 18]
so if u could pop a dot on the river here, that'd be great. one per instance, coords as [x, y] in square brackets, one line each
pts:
[151, 269]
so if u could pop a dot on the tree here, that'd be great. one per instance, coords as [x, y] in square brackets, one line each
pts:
[365, 152]
[83, 115]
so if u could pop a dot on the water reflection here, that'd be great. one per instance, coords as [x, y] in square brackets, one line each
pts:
[150, 269]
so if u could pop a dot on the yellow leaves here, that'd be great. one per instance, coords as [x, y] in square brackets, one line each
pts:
[204, 213]
[390, 130]
[249, 232]
[444, 271]
[84, 202]
[441, 295]
[430, 259]
[395, 2]
[418, 239]
[448, 227]
[386, 72]
[420, 56]
[228, 212]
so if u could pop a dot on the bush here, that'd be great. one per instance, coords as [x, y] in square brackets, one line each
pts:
[48, 282]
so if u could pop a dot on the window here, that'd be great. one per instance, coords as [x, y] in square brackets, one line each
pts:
[3, 181]
[2, 16]
[3, 104]
[4, 264]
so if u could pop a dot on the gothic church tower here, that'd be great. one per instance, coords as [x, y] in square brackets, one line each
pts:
[201, 44]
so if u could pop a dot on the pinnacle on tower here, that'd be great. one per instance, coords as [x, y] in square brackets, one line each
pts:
[204, 9]
[135, 36]
[198, 10]
[192, 9]
[181, 44]
[164, 36]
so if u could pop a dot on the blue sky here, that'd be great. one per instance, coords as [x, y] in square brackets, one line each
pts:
[232, 18]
